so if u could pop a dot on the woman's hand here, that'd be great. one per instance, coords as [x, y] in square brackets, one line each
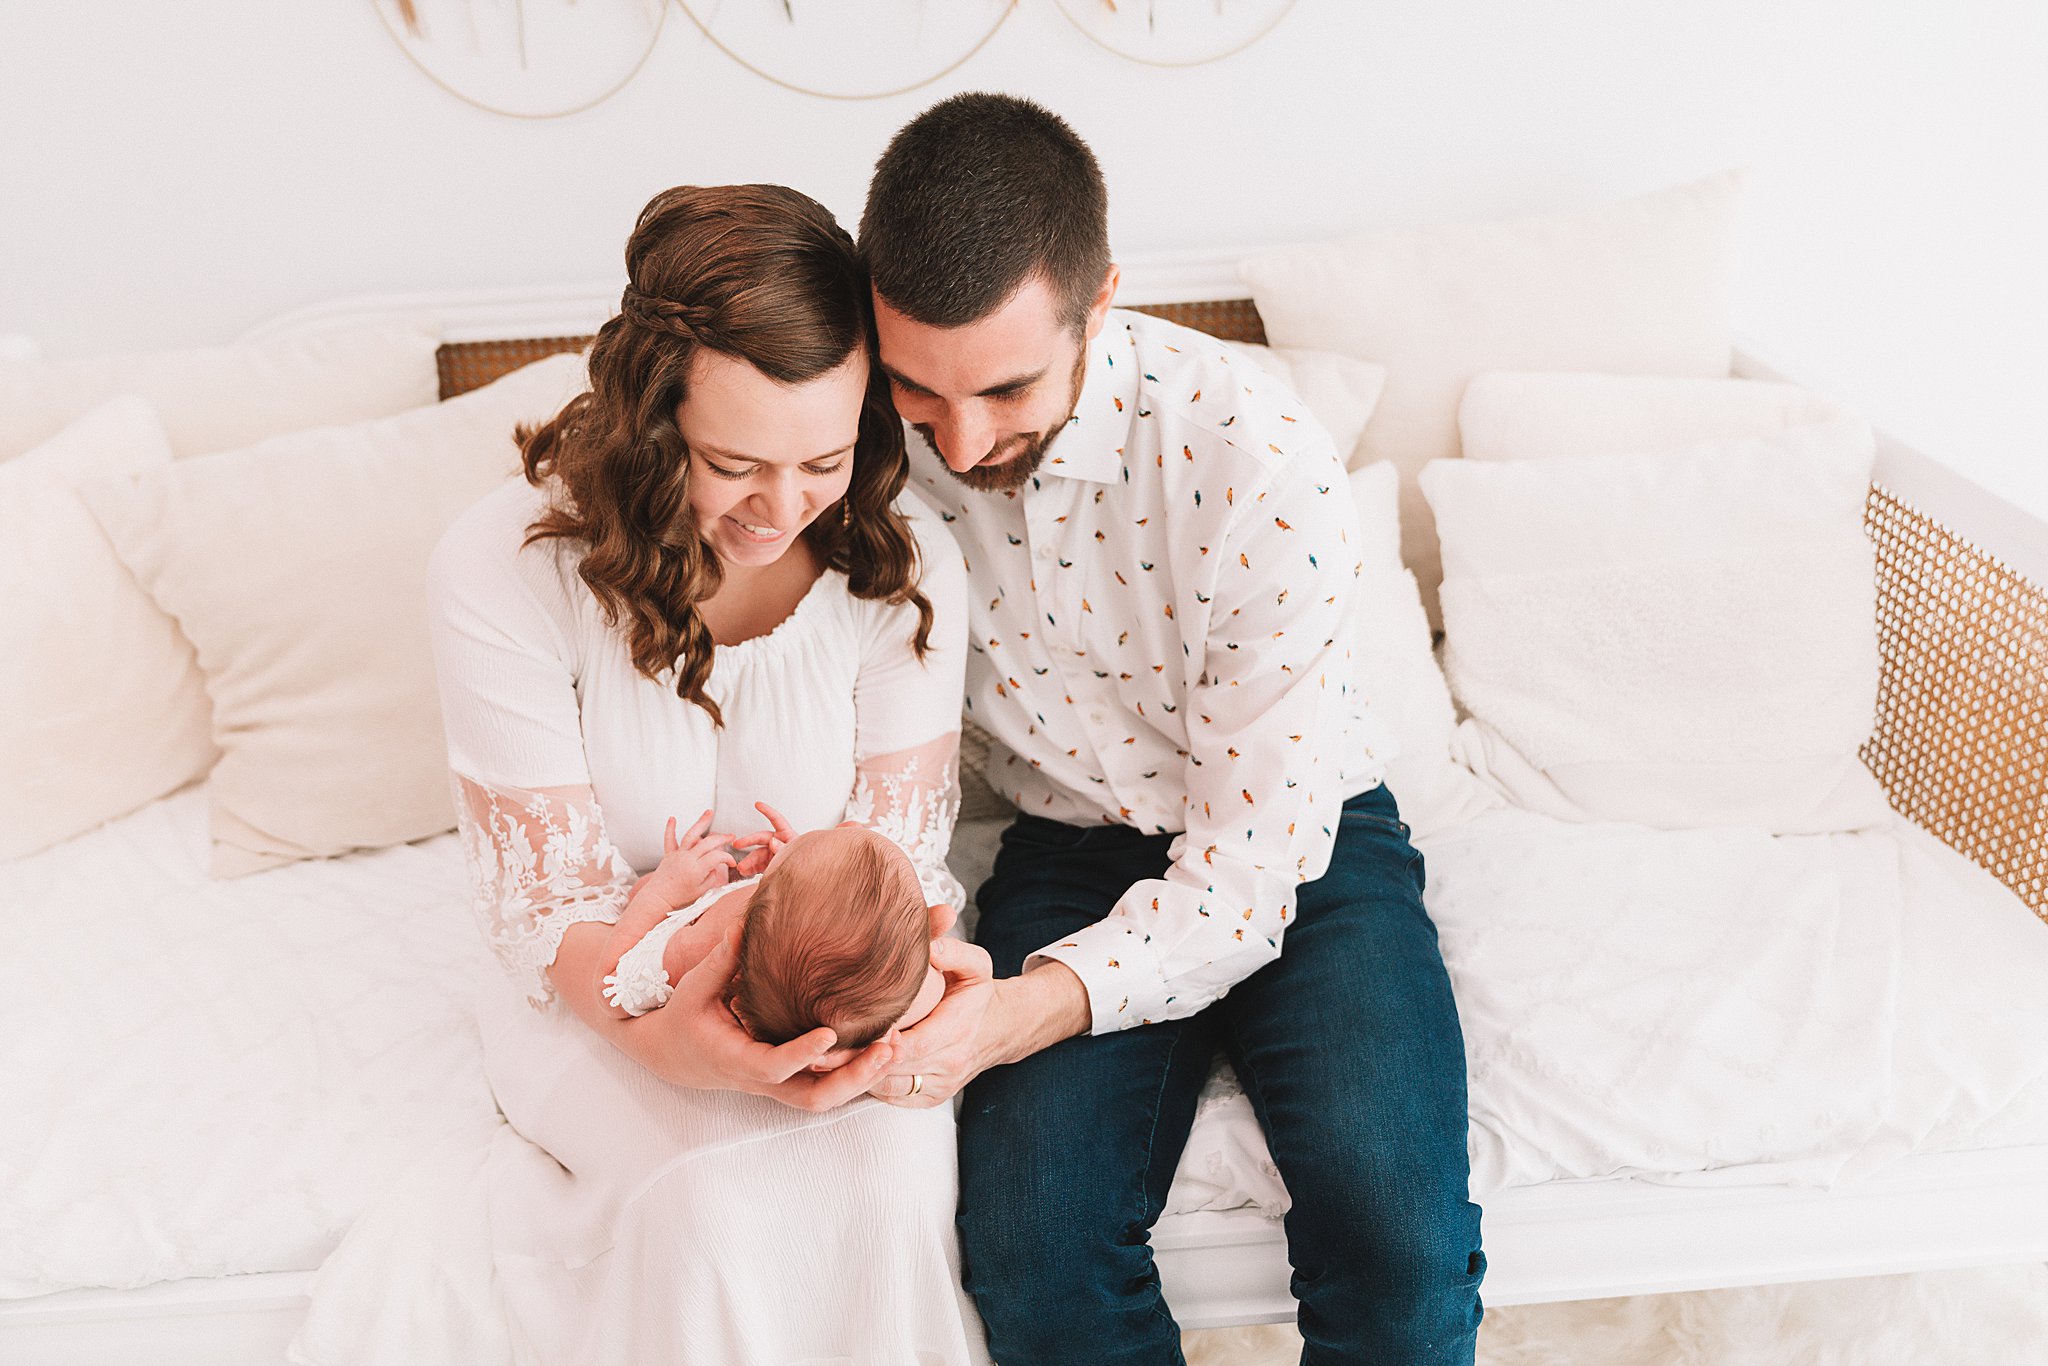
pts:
[695, 1040]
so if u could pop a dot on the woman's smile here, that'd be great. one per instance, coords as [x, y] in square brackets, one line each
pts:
[759, 534]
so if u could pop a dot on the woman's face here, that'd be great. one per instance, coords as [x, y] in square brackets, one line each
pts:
[766, 458]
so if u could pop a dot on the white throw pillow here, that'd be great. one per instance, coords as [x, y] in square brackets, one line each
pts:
[101, 704]
[1509, 415]
[297, 568]
[1395, 669]
[1639, 287]
[1340, 391]
[216, 398]
[1679, 640]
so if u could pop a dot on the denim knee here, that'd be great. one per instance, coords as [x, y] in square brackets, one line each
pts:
[1394, 1281]
[1058, 1282]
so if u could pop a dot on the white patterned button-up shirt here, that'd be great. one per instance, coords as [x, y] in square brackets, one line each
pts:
[1159, 633]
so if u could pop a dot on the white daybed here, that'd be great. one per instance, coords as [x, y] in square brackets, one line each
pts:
[185, 1223]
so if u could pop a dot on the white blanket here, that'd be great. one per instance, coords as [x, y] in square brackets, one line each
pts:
[210, 1078]
[1710, 1007]
[206, 1078]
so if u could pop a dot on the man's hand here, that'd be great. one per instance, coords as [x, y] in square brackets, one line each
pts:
[980, 1023]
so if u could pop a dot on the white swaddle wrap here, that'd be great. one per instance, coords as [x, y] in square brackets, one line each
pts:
[640, 983]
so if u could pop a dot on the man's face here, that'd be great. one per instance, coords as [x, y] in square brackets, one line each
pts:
[989, 396]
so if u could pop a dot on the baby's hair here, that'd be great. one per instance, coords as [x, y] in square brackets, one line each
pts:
[857, 966]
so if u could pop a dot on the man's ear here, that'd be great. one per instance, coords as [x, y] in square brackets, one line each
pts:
[1098, 310]
[942, 919]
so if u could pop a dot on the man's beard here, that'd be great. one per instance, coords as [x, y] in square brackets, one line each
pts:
[1009, 475]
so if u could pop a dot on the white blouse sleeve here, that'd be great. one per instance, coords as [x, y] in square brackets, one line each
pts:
[539, 861]
[910, 796]
[907, 715]
[534, 840]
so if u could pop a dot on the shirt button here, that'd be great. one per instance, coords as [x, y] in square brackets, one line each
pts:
[1042, 553]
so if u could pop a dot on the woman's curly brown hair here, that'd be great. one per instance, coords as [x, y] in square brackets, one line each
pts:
[764, 274]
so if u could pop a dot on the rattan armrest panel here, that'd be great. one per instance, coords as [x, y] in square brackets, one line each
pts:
[1961, 743]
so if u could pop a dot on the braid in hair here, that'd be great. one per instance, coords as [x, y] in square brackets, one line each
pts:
[762, 274]
[690, 322]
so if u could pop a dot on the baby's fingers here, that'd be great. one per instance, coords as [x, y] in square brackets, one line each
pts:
[778, 823]
[668, 837]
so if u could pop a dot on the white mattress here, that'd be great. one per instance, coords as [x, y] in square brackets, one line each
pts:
[206, 1078]
[1702, 1007]
[219, 1076]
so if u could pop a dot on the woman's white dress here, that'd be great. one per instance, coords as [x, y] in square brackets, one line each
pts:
[633, 1221]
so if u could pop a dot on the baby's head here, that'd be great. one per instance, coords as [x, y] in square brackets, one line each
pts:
[836, 933]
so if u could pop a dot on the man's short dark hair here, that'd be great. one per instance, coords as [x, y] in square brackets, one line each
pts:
[975, 196]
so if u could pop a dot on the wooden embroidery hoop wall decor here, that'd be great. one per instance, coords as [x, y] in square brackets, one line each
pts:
[849, 49]
[528, 59]
[1175, 32]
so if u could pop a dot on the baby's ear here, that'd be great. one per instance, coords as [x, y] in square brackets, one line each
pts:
[942, 919]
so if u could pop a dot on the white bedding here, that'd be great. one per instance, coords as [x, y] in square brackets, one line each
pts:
[1710, 1007]
[204, 1078]
[177, 1112]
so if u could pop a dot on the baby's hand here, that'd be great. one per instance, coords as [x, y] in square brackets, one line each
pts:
[761, 847]
[692, 864]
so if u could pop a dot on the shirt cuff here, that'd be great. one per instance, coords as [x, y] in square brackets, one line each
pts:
[1116, 964]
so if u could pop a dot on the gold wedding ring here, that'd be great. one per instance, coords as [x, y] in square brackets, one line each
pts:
[916, 1083]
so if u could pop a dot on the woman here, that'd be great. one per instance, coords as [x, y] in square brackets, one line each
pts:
[703, 597]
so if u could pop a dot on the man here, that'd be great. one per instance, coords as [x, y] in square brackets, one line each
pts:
[1161, 549]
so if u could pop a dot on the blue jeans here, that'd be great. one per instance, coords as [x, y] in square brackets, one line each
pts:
[1350, 1051]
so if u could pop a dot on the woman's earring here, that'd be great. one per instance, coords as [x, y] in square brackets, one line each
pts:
[845, 513]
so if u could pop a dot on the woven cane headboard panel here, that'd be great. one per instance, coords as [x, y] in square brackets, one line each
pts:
[1961, 743]
[471, 365]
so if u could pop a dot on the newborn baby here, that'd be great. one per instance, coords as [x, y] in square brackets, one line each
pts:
[834, 932]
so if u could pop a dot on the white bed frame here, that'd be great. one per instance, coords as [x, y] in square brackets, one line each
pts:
[1557, 1241]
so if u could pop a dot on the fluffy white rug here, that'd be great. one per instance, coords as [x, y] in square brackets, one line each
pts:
[1997, 1316]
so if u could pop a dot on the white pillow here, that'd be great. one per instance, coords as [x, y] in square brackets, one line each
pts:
[297, 568]
[1678, 640]
[1395, 669]
[1340, 391]
[101, 705]
[1508, 415]
[215, 398]
[1639, 287]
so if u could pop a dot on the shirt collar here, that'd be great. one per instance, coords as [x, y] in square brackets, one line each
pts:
[1092, 446]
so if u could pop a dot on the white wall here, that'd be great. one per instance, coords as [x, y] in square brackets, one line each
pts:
[180, 173]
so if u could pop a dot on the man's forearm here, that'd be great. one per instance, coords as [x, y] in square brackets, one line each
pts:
[1040, 1008]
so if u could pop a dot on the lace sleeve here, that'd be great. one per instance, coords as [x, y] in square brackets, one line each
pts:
[539, 861]
[909, 796]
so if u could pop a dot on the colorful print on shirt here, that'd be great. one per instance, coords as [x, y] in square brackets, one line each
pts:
[1159, 637]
